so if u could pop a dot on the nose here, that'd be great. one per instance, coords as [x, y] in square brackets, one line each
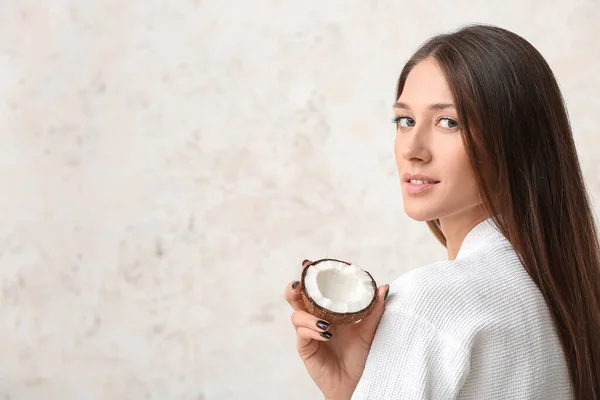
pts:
[414, 146]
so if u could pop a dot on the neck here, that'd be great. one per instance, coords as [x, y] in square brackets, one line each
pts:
[456, 227]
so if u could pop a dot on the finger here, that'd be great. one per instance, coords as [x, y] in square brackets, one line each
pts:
[292, 291]
[293, 296]
[302, 319]
[371, 321]
[306, 340]
[306, 263]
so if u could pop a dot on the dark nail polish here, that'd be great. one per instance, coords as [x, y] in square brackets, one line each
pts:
[387, 292]
[326, 335]
[323, 325]
[294, 284]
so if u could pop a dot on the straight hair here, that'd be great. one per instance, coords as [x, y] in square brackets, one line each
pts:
[517, 135]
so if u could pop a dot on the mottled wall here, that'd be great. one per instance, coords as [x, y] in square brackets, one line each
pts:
[165, 167]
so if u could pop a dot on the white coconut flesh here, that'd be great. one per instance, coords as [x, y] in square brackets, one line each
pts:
[339, 287]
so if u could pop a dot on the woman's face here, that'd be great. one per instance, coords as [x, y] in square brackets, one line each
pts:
[435, 174]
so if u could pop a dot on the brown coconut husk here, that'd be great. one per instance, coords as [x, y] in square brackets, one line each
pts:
[335, 318]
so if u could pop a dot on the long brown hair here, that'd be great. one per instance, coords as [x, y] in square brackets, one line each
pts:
[517, 134]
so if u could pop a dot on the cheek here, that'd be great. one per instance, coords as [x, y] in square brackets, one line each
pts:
[459, 165]
[455, 166]
[452, 155]
[463, 182]
[398, 152]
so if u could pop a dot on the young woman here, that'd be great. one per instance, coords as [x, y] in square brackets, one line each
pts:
[486, 157]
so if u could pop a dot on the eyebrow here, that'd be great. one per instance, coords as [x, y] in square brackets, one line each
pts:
[431, 107]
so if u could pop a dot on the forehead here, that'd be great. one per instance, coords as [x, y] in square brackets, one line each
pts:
[426, 84]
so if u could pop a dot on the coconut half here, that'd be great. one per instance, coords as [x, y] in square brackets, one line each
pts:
[338, 291]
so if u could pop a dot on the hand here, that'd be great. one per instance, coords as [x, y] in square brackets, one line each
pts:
[334, 356]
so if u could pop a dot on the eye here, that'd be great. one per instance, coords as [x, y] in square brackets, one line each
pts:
[448, 123]
[403, 121]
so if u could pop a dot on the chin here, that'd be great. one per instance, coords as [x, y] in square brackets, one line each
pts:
[420, 215]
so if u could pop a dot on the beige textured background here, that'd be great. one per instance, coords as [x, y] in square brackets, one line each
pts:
[165, 167]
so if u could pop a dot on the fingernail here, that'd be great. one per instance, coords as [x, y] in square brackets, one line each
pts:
[294, 284]
[387, 291]
[305, 262]
[323, 325]
[326, 335]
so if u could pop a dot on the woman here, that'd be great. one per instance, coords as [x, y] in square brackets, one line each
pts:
[486, 156]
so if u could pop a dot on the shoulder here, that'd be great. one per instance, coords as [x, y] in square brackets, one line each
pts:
[413, 352]
[455, 297]
[452, 279]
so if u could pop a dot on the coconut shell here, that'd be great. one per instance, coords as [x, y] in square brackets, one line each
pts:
[335, 318]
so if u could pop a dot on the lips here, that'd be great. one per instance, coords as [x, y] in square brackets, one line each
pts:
[419, 177]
